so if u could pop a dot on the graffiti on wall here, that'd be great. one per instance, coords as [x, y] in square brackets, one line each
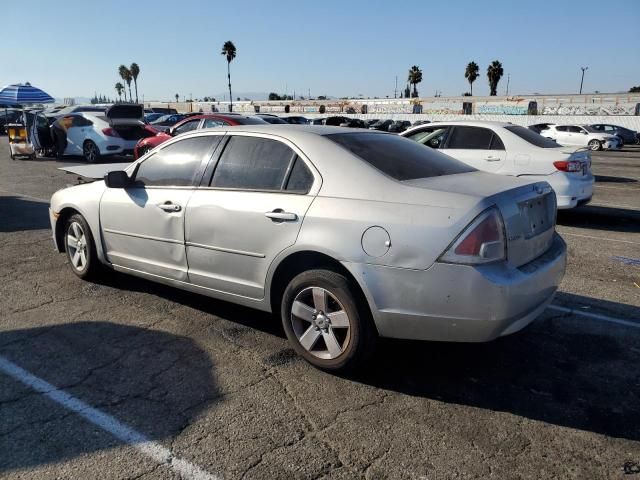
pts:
[590, 109]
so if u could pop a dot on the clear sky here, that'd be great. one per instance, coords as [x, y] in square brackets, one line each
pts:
[337, 48]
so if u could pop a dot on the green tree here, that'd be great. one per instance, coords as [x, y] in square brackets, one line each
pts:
[135, 71]
[229, 51]
[414, 78]
[119, 90]
[124, 73]
[471, 74]
[274, 96]
[177, 97]
[635, 89]
[494, 74]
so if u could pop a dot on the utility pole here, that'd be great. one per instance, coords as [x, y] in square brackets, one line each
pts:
[584, 69]
[395, 90]
[508, 79]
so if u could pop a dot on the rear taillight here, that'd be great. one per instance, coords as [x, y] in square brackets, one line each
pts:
[110, 132]
[568, 166]
[481, 242]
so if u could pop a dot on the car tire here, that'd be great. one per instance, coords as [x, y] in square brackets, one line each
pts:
[595, 145]
[90, 151]
[637, 140]
[80, 247]
[327, 321]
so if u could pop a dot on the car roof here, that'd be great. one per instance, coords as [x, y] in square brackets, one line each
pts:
[291, 131]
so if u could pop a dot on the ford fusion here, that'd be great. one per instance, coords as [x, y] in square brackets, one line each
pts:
[346, 235]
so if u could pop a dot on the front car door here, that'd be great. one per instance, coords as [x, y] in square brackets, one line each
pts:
[479, 147]
[143, 225]
[251, 210]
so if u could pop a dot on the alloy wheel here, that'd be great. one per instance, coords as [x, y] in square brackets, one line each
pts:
[77, 247]
[320, 323]
[90, 152]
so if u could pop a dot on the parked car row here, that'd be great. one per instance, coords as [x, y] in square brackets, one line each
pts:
[599, 136]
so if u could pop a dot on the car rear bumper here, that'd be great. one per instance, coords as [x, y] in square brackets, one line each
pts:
[571, 189]
[460, 303]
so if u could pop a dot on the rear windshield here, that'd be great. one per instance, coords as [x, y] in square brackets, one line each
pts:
[532, 137]
[399, 157]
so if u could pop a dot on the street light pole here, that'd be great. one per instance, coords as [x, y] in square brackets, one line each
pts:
[582, 79]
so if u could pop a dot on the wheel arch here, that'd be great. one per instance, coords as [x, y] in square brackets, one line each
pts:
[303, 260]
[65, 214]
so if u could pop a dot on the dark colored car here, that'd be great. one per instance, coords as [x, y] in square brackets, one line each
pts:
[370, 121]
[317, 121]
[166, 111]
[627, 135]
[296, 120]
[382, 125]
[399, 126]
[336, 121]
[272, 119]
[194, 122]
[538, 127]
[353, 123]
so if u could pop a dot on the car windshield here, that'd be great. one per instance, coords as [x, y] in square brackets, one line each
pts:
[398, 157]
[250, 120]
[532, 137]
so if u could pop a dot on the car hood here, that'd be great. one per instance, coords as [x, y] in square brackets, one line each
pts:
[95, 172]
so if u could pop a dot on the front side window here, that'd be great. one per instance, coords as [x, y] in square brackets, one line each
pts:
[186, 127]
[252, 163]
[470, 138]
[398, 157]
[79, 121]
[176, 165]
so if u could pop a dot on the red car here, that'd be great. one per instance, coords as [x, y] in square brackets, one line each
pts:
[194, 123]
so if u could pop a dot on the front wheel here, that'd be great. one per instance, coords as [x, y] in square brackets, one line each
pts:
[91, 151]
[595, 145]
[327, 321]
[80, 247]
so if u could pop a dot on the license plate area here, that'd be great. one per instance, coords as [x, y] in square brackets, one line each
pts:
[535, 216]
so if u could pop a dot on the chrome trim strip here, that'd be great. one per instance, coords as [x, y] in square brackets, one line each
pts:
[146, 237]
[226, 250]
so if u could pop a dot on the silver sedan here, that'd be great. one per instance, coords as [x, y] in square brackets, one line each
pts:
[347, 235]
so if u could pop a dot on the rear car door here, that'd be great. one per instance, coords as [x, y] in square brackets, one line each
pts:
[77, 133]
[143, 225]
[479, 147]
[251, 210]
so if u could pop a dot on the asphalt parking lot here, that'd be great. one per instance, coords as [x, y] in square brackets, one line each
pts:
[126, 379]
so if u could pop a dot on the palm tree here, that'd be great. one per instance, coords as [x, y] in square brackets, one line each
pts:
[494, 74]
[177, 97]
[135, 71]
[471, 74]
[415, 77]
[229, 50]
[124, 73]
[119, 89]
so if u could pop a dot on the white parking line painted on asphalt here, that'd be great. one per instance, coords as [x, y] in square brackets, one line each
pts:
[595, 316]
[561, 232]
[106, 422]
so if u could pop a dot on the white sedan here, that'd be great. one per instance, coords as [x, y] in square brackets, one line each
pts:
[508, 149]
[582, 136]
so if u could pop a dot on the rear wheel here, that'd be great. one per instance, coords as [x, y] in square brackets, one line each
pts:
[80, 247]
[326, 321]
[91, 151]
[595, 145]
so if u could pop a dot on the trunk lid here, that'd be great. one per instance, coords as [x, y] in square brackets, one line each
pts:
[125, 114]
[528, 208]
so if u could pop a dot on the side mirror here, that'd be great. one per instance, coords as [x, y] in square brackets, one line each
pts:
[117, 179]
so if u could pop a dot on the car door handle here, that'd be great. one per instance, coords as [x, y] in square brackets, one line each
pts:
[279, 215]
[170, 207]
[491, 158]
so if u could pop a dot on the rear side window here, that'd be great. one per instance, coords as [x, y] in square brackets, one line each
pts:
[470, 138]
[398, 157]
[176, 165]
[300, 179]
[250, 121]
[531, 137]
[562, 129]
[252, 163]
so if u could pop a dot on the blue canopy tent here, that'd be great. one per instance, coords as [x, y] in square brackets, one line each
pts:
[25, 94]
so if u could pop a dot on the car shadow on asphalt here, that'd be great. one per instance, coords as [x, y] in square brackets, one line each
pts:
[608, 179]
[23, 213]
[153, 381]
[553, 371]
[601, 218]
